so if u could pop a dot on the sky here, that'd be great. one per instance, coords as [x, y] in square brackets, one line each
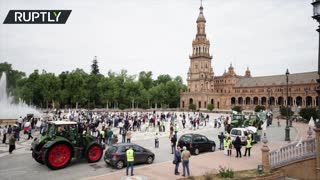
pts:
[156, 35]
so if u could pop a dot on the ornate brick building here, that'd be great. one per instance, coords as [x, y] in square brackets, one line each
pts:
[231, 89]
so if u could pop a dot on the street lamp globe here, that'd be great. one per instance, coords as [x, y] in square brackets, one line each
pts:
[316, 10]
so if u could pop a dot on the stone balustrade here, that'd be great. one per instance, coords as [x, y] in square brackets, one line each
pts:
[293, 152]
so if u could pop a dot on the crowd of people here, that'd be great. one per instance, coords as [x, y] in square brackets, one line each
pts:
[107, 126]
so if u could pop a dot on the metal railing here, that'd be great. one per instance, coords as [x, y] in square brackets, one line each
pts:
[293, 152]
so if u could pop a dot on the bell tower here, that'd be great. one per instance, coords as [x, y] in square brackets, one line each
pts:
[200, 74]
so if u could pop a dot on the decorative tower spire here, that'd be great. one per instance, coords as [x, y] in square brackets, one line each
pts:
[200, 74]
[248, 73]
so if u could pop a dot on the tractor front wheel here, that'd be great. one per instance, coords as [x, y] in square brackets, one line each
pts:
[94, 153]
[58, 156]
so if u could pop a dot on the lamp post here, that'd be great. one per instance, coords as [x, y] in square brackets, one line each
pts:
[287, 130]
[269, 102]
[316, 16]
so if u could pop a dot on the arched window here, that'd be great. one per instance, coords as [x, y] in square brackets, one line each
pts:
[263, 101]
[299, 101]
[233, 101]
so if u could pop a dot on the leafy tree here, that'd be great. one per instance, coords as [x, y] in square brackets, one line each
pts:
[75, 85]
[146, 79]
[259, 108]
[163, 79]
[210, 107]
[192, 107]
[94, 66]
[283, 111]
[307, 113]
[237, 108]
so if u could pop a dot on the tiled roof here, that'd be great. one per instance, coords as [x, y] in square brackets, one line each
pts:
[298, 78]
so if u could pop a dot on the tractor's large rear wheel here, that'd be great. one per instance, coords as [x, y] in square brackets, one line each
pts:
[58, 156]
[94, 153]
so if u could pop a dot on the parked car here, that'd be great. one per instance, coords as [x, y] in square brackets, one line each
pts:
[196, 143]
[116, 155]
[243, 133]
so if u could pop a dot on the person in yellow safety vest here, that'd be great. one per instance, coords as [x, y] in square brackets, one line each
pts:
[130, 159]
[176, 129]
[102, 134]
[229, 144]
[225, 142]
[248, 145]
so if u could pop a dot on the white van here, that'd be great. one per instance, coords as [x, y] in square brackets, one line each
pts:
[242, 133]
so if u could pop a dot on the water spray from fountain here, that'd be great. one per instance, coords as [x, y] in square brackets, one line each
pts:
[10, 110]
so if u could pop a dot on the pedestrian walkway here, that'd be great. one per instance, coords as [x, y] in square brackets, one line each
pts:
[208, 162]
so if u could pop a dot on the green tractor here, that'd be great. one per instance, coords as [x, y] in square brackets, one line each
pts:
[253, 120]
[63, 141]
[236, 121]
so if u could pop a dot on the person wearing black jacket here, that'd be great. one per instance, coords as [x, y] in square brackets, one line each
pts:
[173, 144]
[221, 138]
[237, 146]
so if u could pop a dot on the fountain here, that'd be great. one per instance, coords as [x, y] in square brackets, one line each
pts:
[9, 111]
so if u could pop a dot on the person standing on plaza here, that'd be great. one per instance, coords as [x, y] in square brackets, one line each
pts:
[130, 159]
[221, 139]
[229, 145]
[176, 129]
[184, 122]
[109, 136]
[156, 141]
[173, 144]
[248, 145]
[171, 131]
[237, 146]
[129, 136]
[177, 160]
[124, 133]
[120, 125]
[12, 142]
[185, 156]
[102, 135]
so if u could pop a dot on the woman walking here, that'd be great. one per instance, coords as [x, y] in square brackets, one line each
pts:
[12, 143]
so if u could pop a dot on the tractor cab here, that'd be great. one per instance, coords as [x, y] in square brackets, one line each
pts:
[66, 129]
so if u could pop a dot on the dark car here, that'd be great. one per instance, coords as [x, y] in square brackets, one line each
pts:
[116, 155]
[196, 143]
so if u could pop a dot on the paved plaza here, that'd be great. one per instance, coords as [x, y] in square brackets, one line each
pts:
[20, 164]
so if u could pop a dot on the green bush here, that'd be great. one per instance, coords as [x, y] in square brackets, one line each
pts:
[307, 113]
[259, 108]
[225, 172]
[210, 107]
[283, 111]
[237, 108]
[192, 106]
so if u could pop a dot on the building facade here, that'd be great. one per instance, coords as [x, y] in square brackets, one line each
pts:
[231, 89]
